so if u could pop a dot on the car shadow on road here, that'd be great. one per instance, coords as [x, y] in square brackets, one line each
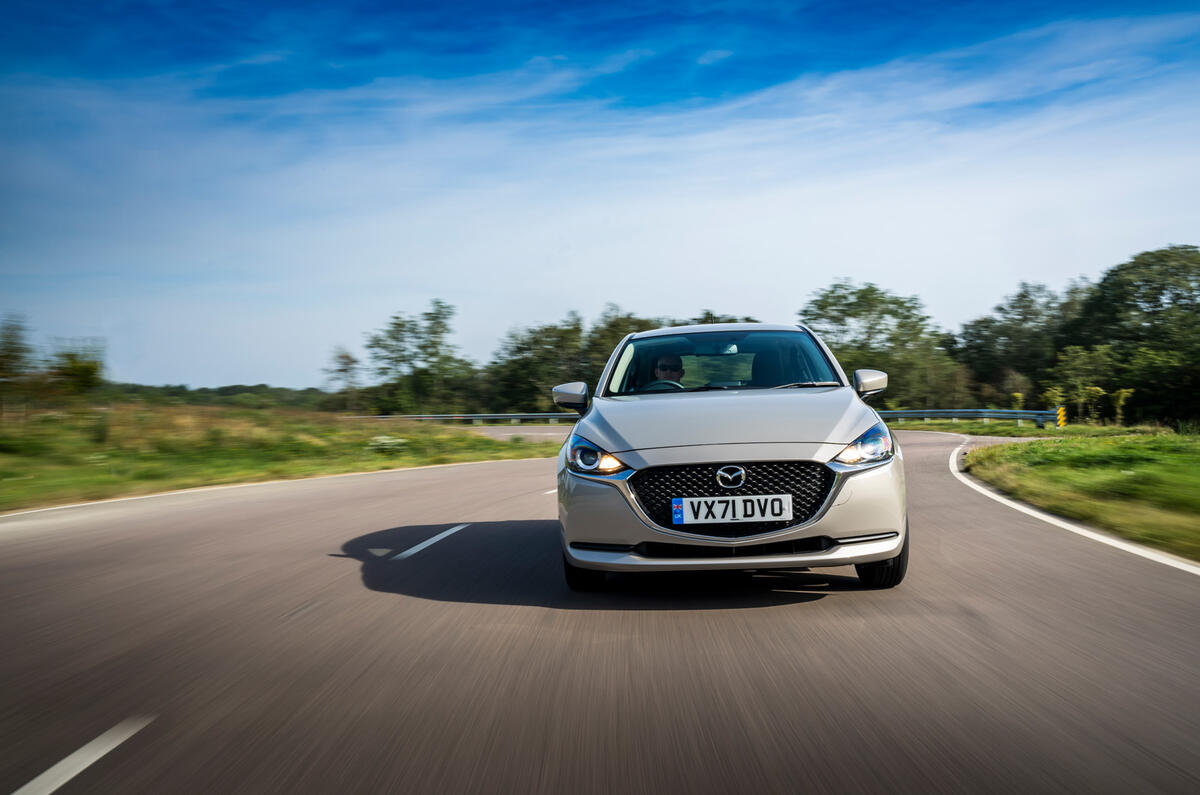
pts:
[519, 563]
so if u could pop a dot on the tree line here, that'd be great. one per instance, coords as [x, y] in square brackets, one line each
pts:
[1124, 348]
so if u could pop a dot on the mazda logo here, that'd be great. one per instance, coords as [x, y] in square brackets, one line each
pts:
[731, 477]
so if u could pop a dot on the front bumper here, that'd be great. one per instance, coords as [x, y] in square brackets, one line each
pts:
[862, 520]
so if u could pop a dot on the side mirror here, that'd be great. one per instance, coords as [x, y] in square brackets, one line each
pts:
[869, 382]
[574, 396]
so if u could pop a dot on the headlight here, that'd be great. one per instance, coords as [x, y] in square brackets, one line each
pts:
[874, 445]
[585, 457]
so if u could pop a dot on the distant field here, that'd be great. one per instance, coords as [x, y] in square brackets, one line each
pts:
[1146, 488]
[1026, 428]
[63, 457]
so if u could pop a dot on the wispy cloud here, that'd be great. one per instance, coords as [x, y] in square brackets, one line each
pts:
[712, 56]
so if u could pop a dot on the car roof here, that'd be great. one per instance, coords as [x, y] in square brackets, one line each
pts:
[662, 332]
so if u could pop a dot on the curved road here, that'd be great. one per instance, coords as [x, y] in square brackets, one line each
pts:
[281, 646]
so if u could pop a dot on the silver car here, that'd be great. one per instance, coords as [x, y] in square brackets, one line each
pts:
[729, 446]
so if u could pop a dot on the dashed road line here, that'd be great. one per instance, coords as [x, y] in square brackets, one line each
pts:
[86, 756]
[408, 553]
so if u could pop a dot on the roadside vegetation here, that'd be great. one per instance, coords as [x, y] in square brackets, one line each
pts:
[1145, 488]
[60, 457]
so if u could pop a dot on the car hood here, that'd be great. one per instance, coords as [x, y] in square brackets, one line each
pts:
[638, 422]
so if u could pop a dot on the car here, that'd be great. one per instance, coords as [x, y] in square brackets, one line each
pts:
[729, 446]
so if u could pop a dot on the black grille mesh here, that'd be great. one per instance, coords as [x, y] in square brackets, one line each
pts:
[807, 481]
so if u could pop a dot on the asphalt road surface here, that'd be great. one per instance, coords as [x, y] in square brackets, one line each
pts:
[276, 643]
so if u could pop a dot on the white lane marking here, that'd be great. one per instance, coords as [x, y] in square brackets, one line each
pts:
[408, 553]
[79, 761]
[552, 491]
[1126, 546]
[260, 483]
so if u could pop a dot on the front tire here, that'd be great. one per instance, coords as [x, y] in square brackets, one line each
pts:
[885, 573]
[580, 579]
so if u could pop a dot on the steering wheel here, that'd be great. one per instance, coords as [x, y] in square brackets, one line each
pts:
[662, 381]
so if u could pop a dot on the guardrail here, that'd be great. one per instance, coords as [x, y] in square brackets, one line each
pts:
[1038, 417]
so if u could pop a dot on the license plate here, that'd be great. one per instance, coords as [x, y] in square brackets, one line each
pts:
[708, 510]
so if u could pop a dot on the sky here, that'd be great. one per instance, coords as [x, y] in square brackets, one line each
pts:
[224, 193]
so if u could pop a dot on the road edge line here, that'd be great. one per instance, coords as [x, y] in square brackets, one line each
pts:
[1165, 558]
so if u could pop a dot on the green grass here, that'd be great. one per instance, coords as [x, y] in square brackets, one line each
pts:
[1027, 428]
[63, 457]
[1145, 488]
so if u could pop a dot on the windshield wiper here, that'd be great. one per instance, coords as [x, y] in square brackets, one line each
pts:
[806, 383]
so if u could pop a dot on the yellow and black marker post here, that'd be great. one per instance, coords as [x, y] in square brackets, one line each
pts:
[1062, 416]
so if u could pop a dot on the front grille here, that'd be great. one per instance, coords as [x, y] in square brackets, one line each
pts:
[807, 481]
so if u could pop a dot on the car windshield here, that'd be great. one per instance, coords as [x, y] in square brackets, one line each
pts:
[706, 360]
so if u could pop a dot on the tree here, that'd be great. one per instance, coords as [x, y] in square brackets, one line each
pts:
[436, 352]
[418, 367]
[343, 369]
[77, 365]
[393, 348]
[865, 318]
[1148, 311]
[530, 362]
[16, 356]
[604, 335]
[445, 381]
[1015, 345]
[1081, 371]
[1119, 397]
[1052, 397]
[868, 327]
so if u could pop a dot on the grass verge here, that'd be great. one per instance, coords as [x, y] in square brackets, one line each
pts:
[64, 457]
[1144, 488]
[1026, 428]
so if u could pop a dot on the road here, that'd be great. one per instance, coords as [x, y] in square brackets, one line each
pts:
[280, 647]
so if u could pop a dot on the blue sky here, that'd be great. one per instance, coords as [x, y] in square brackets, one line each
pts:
[224, 193]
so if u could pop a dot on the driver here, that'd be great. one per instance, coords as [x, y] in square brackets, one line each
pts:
[668, 367]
